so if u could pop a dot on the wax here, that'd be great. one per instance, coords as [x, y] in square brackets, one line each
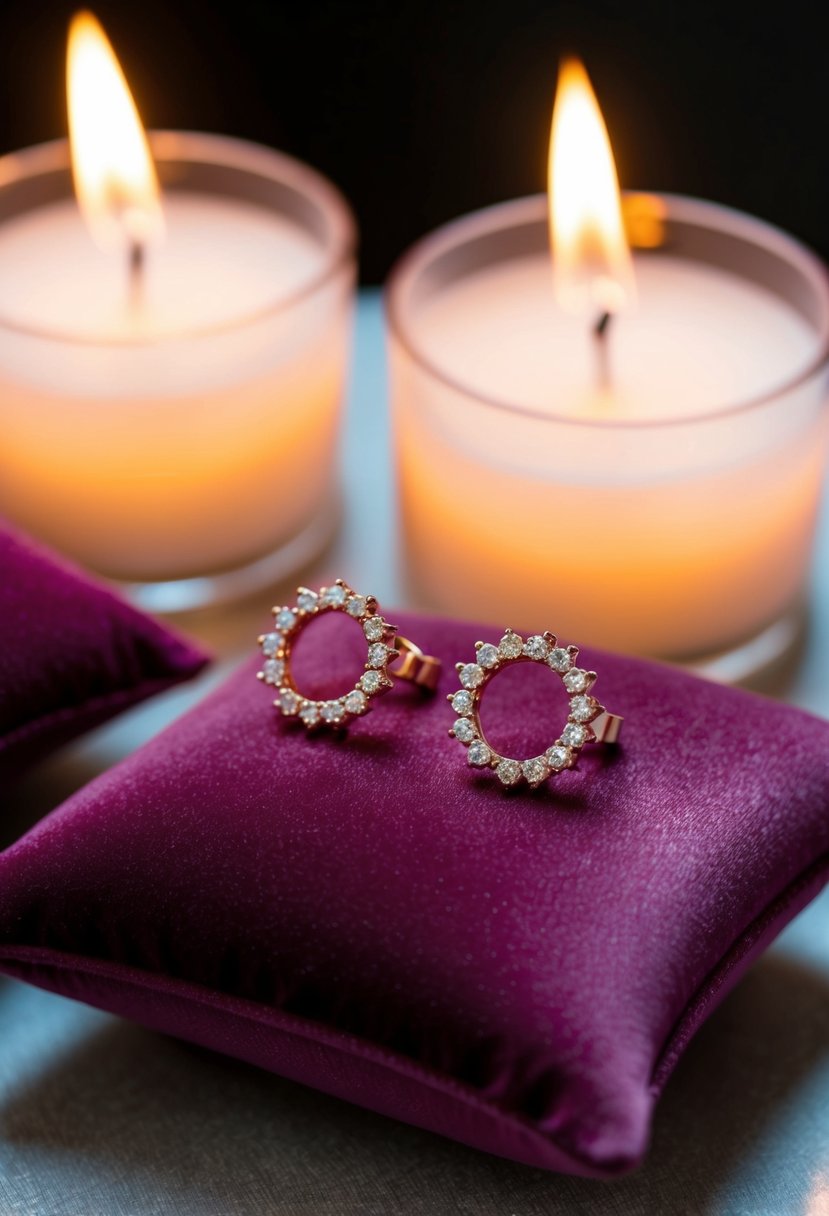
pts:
[221, 260]
[697, 339]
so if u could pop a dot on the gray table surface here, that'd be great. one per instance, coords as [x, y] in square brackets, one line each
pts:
[101, 1118]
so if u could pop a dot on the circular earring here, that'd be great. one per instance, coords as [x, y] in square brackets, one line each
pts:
[587, 721]
[384, 648]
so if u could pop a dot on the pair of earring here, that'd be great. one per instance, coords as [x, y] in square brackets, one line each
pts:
[390, 657]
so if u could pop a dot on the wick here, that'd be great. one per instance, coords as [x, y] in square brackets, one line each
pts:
[601, 326]
[136, 272]
[600, 334]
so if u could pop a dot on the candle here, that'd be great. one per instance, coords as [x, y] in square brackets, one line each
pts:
[170, 381]
[627, 450]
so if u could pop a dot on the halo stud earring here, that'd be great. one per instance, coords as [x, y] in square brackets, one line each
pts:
[587, 720]
[389, 657]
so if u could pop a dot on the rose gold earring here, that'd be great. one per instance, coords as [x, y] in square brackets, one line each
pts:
[587, 721]
[384, 648]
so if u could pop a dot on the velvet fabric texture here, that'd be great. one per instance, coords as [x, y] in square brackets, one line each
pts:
[73, 654]
[517, 970]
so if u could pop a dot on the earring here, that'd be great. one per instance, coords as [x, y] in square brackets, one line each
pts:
[587, 721]
[384, 648]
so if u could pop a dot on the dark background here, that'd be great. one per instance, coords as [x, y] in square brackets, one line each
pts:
[421, 111]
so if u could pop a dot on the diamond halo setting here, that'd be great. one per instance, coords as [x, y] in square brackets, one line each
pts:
[277, 645]
[584, 711]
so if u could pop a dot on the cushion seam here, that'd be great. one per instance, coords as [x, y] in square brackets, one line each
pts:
[709, 988]
[304, 1028]
[317, 1032]
[314, 1031]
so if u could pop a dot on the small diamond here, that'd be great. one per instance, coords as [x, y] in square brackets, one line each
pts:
[273, 670]
[488, 655]
[333, 597]
[307, 600]
[464, 730]
[271, 643]
[333, 712]
[535, 770]
[288, 701]
[371, 681]
[558, 757]
[511, 645]
[583, 709]
[357, 606]
[574, 735]
[378, 655]
[462, 702]
[560, 659]
[478, 754]
[310, 713]
[285, 618]
[536, 647]
[509, 771]
[355, 702]
[471, 675]
[374, 628]
[575, 680]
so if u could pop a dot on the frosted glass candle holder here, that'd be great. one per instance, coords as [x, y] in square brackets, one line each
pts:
[678, 522]
[184, 441]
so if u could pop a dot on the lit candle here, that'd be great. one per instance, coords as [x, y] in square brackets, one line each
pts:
[628, 451]
[171, 369]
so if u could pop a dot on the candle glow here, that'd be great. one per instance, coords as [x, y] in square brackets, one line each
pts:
[192, 411]
[112, 168]
[666, 509]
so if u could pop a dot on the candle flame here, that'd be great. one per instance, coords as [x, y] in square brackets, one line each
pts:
[592, 266]
[112, 168]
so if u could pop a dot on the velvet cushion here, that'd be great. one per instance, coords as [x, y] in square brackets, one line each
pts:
[518, 970]
[72, 654]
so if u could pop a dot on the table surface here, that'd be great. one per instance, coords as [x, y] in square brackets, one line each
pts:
[101, 1118]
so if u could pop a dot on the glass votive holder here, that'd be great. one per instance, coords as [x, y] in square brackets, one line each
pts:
[682, 530]
[179, 435]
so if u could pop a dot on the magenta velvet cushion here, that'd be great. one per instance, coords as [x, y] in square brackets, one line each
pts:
[518, 970]
[72, 655]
